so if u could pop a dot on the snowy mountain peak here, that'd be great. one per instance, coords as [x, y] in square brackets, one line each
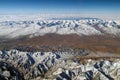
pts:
[86, 26]
[55, 66]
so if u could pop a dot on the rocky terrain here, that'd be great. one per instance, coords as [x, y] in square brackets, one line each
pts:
[59, 48]
[19, 65]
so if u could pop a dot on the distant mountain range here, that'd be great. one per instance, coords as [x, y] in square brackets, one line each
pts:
[62, 26]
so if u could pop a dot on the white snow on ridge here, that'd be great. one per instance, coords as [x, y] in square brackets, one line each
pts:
[57, 65]
[13, 29]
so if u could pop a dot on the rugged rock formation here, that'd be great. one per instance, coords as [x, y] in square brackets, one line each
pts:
[21, 65]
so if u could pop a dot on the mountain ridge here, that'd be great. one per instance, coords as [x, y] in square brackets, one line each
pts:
[14, 29]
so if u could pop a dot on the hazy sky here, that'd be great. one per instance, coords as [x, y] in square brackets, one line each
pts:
[87, 8]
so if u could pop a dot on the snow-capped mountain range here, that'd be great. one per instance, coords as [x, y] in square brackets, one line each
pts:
[80, 26]
[18, 65]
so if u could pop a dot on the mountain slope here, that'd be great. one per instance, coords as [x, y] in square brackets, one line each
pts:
[15, 29]
[20, 65]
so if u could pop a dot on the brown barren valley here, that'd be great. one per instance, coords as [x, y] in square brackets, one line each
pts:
[102, 43]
